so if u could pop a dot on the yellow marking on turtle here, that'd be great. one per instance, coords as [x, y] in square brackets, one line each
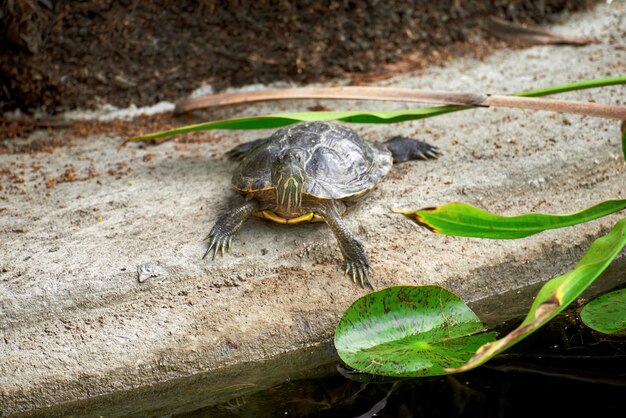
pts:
[250, 189]
[307, 217]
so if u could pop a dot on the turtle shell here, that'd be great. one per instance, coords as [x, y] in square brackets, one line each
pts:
[337, 162]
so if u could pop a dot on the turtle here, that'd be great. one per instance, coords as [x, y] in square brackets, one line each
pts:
[312, 172]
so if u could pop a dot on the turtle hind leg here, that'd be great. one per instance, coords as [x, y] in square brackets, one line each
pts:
[241, 150]
[356, 261]
[407, 149]
[227, 225]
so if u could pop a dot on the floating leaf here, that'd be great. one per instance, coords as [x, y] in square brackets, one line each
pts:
[461, 219]
[557, 294]
[408, 331]
[607, 313]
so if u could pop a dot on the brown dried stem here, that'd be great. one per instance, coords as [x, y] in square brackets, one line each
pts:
[405, 95]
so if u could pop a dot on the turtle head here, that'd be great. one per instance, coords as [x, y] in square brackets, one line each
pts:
[288, 177]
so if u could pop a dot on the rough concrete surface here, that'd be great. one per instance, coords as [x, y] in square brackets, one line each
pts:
[76, 322]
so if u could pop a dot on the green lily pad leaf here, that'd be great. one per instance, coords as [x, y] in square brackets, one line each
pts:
[557, 294]
[607, 313]
[409, 331]
[461, 219]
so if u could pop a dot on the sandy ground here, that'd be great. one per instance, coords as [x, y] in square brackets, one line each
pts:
[76, 321]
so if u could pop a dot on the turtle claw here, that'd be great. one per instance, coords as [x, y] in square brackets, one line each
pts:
[358, 269]
[432, 153]
[218, 242]
[221, 235]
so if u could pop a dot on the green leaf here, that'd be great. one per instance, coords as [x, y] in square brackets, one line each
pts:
[284, 119]
[408, 331]
[461, 219]
[623, 129]
[580, 85]
[607, 313]
[557, 294]
[362, 116]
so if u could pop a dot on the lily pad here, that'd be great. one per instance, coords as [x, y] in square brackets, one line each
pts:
[607, 313]
[409, 331]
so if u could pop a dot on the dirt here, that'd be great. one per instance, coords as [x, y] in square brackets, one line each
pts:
[60, 55]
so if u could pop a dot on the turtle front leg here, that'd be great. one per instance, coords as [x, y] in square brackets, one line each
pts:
[227, 225]
[357, 263]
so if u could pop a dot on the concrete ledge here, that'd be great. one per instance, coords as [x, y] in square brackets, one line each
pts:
[75, 321]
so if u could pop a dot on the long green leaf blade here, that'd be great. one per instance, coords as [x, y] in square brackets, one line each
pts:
[461, 219]
[623, 129]
[284, 119]
[408, 331]
[557, 294]
[580, 85]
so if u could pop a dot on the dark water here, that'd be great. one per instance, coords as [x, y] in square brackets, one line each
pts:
[483, 393]
[563, 370]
